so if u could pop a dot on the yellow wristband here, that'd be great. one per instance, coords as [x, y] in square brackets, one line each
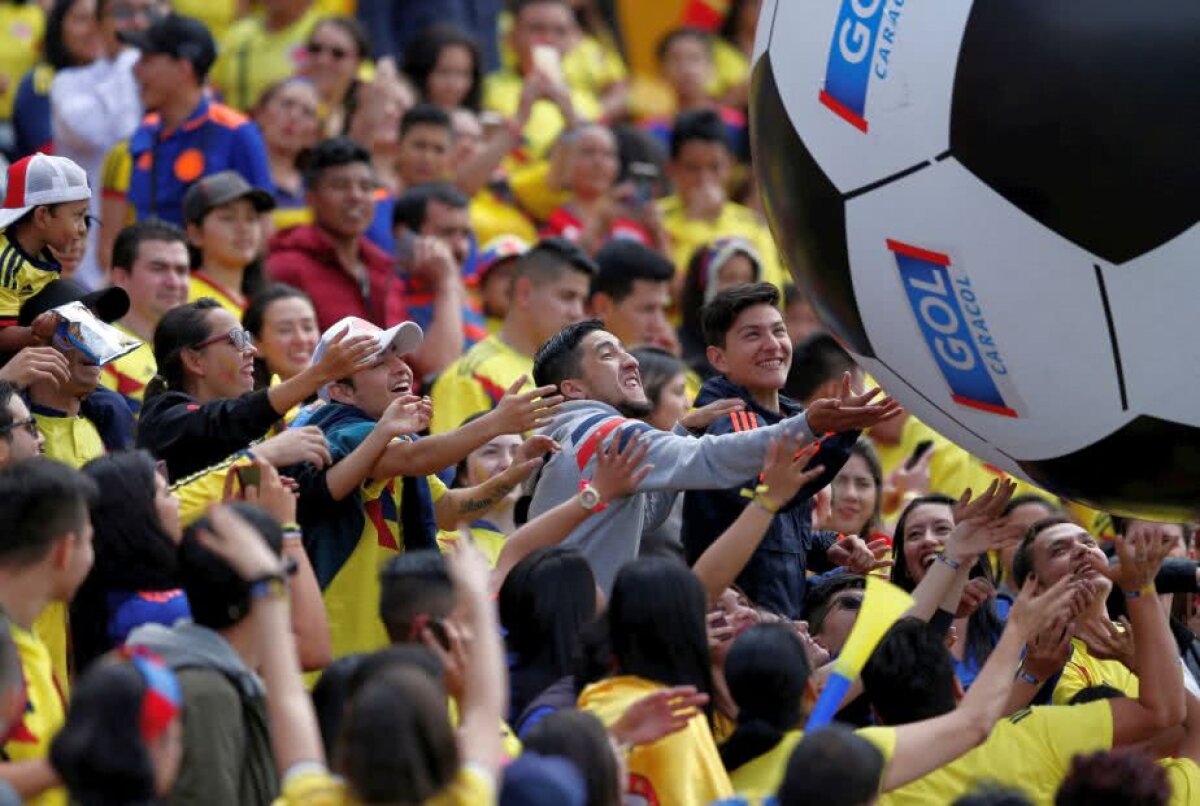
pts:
[760, 498]
[1145, 590]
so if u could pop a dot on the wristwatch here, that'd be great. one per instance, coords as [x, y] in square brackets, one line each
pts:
[589, 498]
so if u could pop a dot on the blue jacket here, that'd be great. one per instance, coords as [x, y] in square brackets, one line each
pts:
[775, 576]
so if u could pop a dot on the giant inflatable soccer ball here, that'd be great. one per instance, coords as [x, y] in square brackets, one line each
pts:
[994, 205]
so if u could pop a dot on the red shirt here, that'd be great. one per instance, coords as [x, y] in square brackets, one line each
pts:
[304, 257]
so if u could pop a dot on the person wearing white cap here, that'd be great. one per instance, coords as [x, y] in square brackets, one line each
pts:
[45, 207]
[396, 504]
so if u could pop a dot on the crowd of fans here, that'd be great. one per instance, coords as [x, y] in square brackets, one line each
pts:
[403, 402]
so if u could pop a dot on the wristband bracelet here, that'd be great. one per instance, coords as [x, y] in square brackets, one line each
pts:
[1026, 677]
[291, 531]
[271, 586]
[1146, 590]
[760, 498]
[950, 561]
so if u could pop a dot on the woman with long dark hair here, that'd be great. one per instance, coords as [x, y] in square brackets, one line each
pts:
[545, 602]
[919, 537]
[136, 536]
[200, 408]
[444, 65]
[767, 673]
[336, 50]
[856, 499]
[657, 639]
[283, 322]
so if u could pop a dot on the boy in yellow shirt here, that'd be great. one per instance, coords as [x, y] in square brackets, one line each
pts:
[45, 207]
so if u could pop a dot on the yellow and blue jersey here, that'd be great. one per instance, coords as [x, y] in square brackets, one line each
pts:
[214, 138]
[474, 383]
[350, 541]
[22, 276]
[45, 709]
[129, 374]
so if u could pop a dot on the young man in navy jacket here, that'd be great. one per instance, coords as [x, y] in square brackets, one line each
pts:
[748, 344]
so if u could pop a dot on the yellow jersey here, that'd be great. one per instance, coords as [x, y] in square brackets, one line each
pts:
[492, 217]
[475, 382]
[251, 58]
[352, 596]
[129, 374]
[731, 68]
[530, 185]
[486, 537]
[761, 777]
[951, 469]
[472, 786]
[45, 709]
[1082, 670]
[683, 768]
[217, 15]
[502, 93]
[21, 29]
[22, 276]
[593, 66]
[734, 221]
[201, 285]
[1030, 751]
[73, 441]
[1184, 777]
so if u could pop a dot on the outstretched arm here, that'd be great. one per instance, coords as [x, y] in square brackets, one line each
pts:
[514, 414]
[783, 476]
[922, 747]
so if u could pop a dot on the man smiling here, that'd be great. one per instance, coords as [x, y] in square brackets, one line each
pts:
[602, 386]
[748, 344]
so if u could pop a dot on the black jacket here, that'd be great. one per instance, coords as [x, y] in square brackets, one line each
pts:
[775, 576]
[191, 436]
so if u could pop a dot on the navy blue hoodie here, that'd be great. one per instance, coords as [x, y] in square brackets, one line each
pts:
[775, 576]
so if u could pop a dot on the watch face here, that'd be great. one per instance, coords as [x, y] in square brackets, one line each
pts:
[589, 497]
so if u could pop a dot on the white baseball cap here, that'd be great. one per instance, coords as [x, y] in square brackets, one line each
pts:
[400, 339]
[41, 179]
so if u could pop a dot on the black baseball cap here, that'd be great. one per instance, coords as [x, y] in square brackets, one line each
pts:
[109, 304]
[179, 37]
[221, 188]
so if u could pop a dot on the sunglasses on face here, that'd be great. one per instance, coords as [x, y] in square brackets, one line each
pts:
[30, 426]
[316, 49]
[238, 337]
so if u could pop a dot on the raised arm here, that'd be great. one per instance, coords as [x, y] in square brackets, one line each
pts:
[344, 356]
[514, 414]
[783, 476]
[619, 469]
[1160, 702]
[406, 415]
[468, 503]
[295, 737]
[924, 746]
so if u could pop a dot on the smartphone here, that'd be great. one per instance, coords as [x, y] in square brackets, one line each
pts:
[248, 476]
[644, 176]
[922, 448]
[548, 62]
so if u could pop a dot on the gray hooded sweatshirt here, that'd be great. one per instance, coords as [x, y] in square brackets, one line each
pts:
[611, 538]
[226, 738]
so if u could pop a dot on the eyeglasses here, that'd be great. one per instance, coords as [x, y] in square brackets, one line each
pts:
[238, 337]
[316, 49]
[30, 426]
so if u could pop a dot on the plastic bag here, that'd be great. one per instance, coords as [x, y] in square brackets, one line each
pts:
[79, 328]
